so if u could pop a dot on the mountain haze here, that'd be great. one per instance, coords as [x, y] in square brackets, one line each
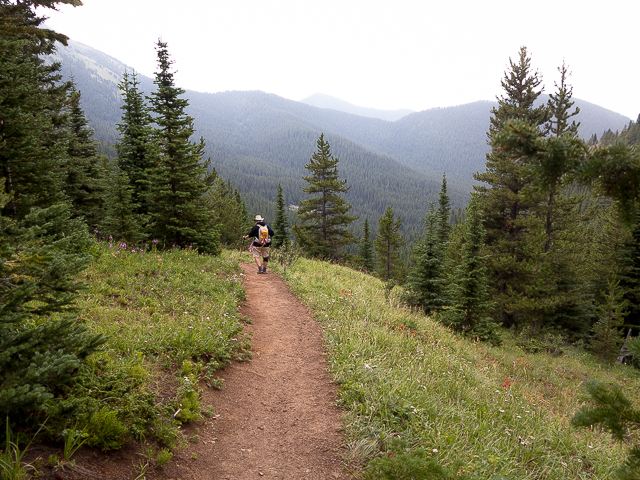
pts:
[321, 100]
[257, 140]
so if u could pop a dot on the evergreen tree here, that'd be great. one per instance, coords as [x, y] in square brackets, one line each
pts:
[323, 231]
[121, 222]
[366, 258]
[228, 210]
[32, 98]
[86, 170]
[607, 331]
[42, 248]
[629, 275]
[559, 105]
[507, 199]
[387, 247]
[280, 225]
[425, 282]
[614, 413]
[543, 288]
[468, 287]
[444, 215]
[137, 151]
[177, 182]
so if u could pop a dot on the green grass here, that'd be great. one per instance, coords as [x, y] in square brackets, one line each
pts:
[414, 390]
[171, 319]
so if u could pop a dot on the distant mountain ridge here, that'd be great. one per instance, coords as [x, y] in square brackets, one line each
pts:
[321, 100]
[257, 140]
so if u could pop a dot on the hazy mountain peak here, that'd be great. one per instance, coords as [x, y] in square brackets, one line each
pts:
[322, 100]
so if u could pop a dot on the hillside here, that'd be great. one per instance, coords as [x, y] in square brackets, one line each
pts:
[422, 401]
[257, 140]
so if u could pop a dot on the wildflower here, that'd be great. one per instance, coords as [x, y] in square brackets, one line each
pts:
[435, 450]
[110, 245]
[155, 241]
[133, 251]
[110, 237]
[95, 231]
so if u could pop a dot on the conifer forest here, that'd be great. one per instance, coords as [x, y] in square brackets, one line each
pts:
[543, 244]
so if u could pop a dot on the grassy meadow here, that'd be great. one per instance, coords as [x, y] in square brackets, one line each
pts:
[171, 321]
[419, 398]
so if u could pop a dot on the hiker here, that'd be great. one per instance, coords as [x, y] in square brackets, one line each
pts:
[261, 233]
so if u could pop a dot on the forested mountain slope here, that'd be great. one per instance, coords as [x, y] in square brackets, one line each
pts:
[257, 140]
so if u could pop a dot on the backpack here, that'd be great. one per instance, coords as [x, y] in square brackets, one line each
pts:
[263, 235]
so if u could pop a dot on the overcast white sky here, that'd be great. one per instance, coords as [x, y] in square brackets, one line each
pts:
[386, 54]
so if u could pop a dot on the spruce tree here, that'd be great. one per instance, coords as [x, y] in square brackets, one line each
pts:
[42, 248]
[387, 245]
[280, 224]
[366, 257]
[228, 210]
[137, 151]
[324, 218]
[629, 275]
[444, 215]
[543, 288]
[468, 287]
[425, 282]
[615, 413]
[33, 153]
[86, 170]
[177, 182]
[506, 199]
[559, 106]
[121, 221]
[607, 331]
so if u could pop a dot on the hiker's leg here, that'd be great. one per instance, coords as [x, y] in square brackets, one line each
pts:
[265, 258]
[256, 256]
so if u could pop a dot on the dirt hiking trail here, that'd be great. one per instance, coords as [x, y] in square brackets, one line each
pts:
[276, 416]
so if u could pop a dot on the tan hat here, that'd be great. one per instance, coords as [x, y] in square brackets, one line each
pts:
[259, 218]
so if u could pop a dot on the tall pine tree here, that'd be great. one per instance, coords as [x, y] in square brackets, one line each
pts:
[506, 200]
[425, 282]
[444, 215]
[324, 218]
[468, 287]
[366, 257]
[280, 224]
[136, 147]
[387, 247]
[42, 248]
[177, 181]
[87, 171]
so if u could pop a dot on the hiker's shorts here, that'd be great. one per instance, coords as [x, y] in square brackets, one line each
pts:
[260, 252]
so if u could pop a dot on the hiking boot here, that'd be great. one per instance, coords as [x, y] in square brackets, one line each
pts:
[259, 269]
[264, 269]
